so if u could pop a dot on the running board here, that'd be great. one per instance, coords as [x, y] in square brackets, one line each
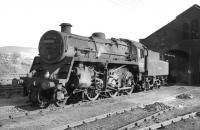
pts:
[125, 88]
[118, 89]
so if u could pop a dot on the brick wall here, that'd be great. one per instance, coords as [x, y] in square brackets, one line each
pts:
[170, 37]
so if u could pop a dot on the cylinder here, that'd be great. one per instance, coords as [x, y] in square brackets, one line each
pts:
[47, 84]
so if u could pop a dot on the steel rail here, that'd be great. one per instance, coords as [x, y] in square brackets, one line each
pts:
[88, 120]
[138, 122]
[169, 122]
[39, 111]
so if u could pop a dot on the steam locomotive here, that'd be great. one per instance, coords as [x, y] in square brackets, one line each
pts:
[93, 66]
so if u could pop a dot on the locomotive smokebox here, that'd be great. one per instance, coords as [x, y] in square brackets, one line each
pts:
[66, 27]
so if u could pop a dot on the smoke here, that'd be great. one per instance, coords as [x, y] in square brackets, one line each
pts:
[101, 50]
[85, 77]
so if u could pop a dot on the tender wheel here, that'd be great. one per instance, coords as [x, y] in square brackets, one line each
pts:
[91, 94]
[139, 87]
[43, 99]
[155, 85]
[146, 86]
[60, 97]
[151, 86]
[158, 83]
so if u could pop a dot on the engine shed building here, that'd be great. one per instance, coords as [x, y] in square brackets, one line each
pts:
[179, 43]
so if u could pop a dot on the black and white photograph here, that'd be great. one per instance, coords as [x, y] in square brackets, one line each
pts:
[100, 65]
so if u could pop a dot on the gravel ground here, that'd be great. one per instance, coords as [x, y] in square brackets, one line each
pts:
[115, 121]
[7, 106]
[57, 117]
[169, 115]
[119, 120]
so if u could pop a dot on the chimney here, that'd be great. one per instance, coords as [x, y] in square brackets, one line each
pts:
[66, 27]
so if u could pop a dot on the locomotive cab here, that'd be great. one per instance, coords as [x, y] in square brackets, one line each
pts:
[141, 59]
[142, 53]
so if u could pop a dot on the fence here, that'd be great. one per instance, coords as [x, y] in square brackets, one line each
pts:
[6, 79]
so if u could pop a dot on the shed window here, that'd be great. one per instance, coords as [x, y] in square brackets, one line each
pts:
[185, 31]
[195, 29]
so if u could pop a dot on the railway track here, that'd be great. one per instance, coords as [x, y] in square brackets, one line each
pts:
[167, 122]
[133, 125]
[78, 122]
[107, 115]
[138, 122]
[88, 120]
[8, 90]
[26, 112]
[6, 79]
[156, 125]
[28, 109]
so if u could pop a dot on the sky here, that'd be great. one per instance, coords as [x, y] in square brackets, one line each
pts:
[23, 22]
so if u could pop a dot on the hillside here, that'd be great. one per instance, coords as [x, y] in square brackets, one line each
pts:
[15, 59]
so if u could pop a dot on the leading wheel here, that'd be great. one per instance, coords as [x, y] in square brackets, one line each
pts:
[43, 99]
[60, 97]
[91, 94]
[159, 83]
